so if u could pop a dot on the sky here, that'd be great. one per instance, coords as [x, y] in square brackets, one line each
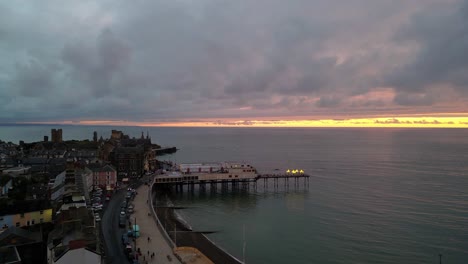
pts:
[235, 63]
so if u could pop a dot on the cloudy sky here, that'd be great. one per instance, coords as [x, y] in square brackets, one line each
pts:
[227, 61]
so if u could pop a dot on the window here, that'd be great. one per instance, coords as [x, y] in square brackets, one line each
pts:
[41, 212]
[41, 220]
[17, 224]
[22, 215]
[32, 222]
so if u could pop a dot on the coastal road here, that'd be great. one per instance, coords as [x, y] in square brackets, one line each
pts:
[112, 233]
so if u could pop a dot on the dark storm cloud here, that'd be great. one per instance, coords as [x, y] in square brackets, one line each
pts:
[328, 101]
[33, 79]
[98, 67]
[165, 60]
[442, 59]
[411, 99]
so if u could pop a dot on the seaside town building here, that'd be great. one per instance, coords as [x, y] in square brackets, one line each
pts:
[128, 161]
[104, 176]
[75, 230]
[5, 186]
[46, 186]
[56, 135]
[25, 213]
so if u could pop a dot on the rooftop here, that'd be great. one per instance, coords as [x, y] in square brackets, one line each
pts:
[10, 207]
[100, 168]
[9, 254]
[18, 236]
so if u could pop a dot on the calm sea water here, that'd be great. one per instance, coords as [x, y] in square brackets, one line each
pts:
[375, 195]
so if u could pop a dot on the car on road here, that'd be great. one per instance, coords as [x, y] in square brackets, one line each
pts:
[107, 198]
[122, 221]
[125, 240]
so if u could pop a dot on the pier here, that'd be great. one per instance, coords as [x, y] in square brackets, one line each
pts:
[285, 178]
[222, 176]
[189, 181]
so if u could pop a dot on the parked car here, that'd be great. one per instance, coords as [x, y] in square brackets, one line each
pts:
[122, 221]
[125, 240]
[122, 213]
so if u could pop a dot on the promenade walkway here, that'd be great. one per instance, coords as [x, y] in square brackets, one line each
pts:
[157, 244]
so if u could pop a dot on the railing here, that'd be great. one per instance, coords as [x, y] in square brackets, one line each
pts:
[155, 217]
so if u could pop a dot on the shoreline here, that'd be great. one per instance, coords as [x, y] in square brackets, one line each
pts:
[182, 236]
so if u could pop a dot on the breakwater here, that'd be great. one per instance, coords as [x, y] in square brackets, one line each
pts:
[164, 151]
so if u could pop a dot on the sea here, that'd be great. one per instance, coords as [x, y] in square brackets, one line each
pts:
[375, 195]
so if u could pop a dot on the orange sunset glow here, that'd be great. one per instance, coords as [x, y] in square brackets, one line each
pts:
[382, 122]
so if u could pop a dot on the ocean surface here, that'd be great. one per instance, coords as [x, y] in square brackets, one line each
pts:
[374, 196]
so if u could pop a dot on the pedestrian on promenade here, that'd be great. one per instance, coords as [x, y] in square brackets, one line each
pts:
[148, 239]
[148, 253]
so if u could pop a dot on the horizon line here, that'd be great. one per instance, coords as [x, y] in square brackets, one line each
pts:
[378, 122]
